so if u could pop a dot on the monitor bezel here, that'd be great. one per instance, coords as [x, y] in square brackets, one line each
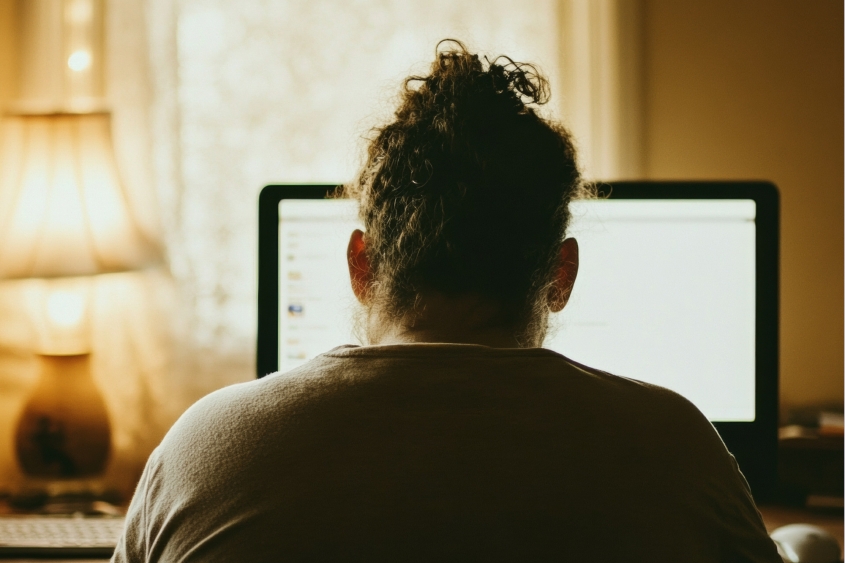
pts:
[754, 444]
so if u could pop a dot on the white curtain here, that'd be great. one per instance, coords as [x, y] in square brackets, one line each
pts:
[602, 84]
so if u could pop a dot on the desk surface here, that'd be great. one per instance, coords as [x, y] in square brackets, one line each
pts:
[774, 517]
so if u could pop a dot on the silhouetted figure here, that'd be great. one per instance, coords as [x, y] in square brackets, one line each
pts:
[452, 435]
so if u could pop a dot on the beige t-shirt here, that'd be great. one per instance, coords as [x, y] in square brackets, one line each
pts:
[431, 452]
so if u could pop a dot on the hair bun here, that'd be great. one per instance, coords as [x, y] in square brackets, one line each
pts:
[460, 75]
[521, 78]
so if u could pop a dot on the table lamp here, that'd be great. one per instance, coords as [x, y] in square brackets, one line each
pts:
[64, 218]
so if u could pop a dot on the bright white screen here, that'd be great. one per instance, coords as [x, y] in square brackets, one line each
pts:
[665, 293]
[316, 304]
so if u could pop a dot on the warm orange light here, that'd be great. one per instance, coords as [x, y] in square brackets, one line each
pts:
[63, 209]
[79, 60]
[60, 312]
[65, 308]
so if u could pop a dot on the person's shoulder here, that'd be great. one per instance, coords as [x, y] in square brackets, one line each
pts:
[616, 382]
[660, 420]
[243, 413]
[642, 399]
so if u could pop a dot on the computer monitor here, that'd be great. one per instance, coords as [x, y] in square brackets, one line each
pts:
[678, 286]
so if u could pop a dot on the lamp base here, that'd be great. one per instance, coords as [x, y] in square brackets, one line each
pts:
[64, 430]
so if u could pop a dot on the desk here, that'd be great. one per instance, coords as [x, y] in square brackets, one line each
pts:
[774, 516]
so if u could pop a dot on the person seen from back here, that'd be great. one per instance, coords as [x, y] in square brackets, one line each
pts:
[452, 435]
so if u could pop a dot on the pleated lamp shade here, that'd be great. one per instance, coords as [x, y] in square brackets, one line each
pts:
[63, 209]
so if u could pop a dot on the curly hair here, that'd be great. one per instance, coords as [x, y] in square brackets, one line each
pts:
[467, 191]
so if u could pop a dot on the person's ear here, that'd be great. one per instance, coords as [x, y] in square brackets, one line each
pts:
[359, 266]
[565, 274]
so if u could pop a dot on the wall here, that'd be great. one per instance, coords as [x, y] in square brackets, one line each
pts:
[753, 89]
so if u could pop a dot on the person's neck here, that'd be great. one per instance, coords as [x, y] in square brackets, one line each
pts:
[458, 320]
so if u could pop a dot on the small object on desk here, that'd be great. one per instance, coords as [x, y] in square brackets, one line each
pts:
[805, 543]
[59, 536]
[831, 424]
[810, 464]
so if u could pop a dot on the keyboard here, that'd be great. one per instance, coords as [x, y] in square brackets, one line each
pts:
[59, 536]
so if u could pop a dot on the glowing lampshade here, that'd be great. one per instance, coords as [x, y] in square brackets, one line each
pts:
[63, 209]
